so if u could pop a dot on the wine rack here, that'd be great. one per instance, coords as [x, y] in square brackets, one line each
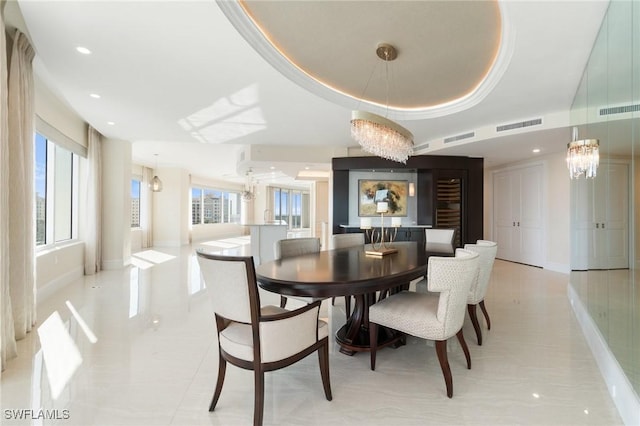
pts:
[449, 206]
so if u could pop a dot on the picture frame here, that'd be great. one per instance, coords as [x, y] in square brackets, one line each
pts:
[393, 192]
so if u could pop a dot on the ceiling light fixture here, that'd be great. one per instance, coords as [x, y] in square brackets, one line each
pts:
[249, 193]
[95, 96]
[583, 156]
[83, 50]
[156, 183]
[379, 135]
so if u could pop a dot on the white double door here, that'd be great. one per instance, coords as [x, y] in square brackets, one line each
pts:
[518, 218]
[600, 219]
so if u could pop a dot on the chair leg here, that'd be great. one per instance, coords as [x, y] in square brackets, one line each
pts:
[464, 348]
[258, 402]
[486, 315]
[373, 343]
[323, 357]
[441, 350]
[333, 301]
[347, 306]
[283, 301]
[474, 321]
[222, 368]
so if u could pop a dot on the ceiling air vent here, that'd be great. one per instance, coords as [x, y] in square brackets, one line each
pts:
[619, 109]
[521, 124]
[420, 147]
[459, 137]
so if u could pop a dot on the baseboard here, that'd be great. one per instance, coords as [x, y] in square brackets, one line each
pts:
[110, 265]
[169, 243]
[558, 267]
[620, 389]
[53, 286]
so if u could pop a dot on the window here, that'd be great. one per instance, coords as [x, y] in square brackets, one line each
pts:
[56, 192]
[214, 206]
[291, 206]
[135, 203]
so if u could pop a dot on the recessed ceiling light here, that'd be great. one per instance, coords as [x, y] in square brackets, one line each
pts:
[307, 168]
[272, 167]
[95, 96]
[83, 50]
[111, 123]
[537, 150]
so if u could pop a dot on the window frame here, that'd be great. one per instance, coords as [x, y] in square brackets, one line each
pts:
[226, 205]
[50, 199]
[136, 178]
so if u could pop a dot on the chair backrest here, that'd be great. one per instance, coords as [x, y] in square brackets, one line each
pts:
[347, 240]
[438, 239]
[452, 278]
[231, 281]
[487, 251]
[295, 247]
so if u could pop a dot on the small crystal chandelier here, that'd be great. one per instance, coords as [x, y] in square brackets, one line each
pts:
[583, 156]
[156, 183]
[379, 135]
[248, 194]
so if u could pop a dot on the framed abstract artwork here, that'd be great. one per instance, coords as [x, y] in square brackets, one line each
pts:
[393, 192]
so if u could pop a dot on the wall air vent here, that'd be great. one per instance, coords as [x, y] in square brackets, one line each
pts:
[459, 137]
[420, 147]
[521, 124]
[619, 109]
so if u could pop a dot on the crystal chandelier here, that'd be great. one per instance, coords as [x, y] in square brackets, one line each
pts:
[376, 134]
[583, 156]
[249, 193]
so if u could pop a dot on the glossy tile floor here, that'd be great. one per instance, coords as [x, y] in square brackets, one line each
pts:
[142, 351]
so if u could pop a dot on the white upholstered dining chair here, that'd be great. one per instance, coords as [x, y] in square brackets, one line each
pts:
[431, 316]
[487, 251]
[343, 241]
[291, 247]
[439, 239]
[259, 338]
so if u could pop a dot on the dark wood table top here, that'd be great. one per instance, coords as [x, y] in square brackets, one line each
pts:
[342, 272]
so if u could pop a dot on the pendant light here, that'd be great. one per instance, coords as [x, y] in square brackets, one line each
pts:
[156, 183]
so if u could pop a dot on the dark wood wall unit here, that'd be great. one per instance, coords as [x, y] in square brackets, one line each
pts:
[340, 194]
[424, 192]
[429, 168]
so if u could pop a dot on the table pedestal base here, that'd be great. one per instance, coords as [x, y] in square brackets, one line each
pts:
[386, 337]
[354, 335]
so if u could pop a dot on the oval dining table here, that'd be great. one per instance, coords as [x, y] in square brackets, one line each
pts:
[348, 272]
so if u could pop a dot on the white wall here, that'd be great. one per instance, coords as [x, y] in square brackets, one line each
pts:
[57, 267]
[558, 235]
[116, 203]
[171, 209]
[320, 211]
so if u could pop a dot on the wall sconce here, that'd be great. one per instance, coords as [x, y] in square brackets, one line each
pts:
[412, 189]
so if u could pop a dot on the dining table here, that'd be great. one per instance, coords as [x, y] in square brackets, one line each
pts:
[351, 271]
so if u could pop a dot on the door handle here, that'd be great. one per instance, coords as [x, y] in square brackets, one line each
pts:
[518, 224]
[514, 224]
[603, 226]
[597, 226]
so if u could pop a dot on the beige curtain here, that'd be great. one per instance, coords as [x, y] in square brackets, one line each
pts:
[7, 333]
[21, 190]
[21, 247]
[146, 208]
[93, 196]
